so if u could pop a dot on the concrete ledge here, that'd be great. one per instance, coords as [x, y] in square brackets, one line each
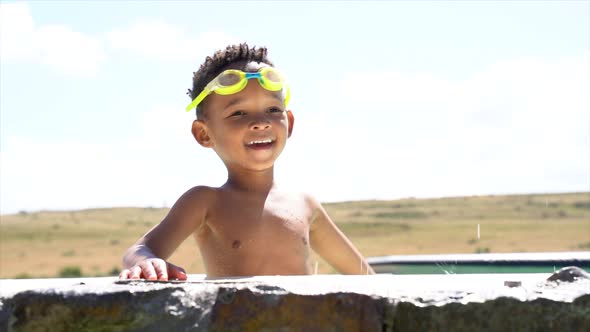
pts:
[482, 302]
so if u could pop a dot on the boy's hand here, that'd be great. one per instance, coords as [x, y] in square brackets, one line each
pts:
[154, 269]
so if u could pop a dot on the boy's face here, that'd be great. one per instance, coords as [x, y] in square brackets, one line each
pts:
[249, 129]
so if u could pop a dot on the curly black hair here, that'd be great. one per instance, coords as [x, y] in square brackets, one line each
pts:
[213, 65]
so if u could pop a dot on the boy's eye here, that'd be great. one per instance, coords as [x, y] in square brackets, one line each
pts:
[275, 110]
[237, 113]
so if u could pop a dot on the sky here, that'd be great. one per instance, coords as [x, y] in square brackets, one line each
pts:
[391, 99]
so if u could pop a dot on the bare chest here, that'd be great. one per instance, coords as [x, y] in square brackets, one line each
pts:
[269, 224]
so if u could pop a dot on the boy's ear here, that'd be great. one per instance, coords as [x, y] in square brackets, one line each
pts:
[200, 133]
[291, 122]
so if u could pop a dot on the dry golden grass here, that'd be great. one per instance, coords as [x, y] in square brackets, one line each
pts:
[40, 244]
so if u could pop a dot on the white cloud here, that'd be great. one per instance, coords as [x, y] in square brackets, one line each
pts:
[164, 41]
[521, 125]
[69, 51]
[17, 31]
[58, 46]
[152, 166]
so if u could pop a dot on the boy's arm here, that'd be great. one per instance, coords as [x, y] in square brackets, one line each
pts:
[333, 246]
[146, 258]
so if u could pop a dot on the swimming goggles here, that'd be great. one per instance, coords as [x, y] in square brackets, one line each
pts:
[233, 81]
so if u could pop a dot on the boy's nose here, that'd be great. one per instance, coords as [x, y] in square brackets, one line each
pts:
[260, 124]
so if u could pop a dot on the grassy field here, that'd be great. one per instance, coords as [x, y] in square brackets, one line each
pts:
[49, 244]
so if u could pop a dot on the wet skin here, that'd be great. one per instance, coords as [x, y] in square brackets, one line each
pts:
[259, 236]
[249, 226]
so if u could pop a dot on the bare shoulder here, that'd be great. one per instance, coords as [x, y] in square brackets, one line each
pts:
[193, 204]
[196, 197]
[315, 207]
[311, 201]
[305, 199]
[200, 194]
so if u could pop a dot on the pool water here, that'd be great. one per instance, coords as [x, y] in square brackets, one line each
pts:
[547, 262]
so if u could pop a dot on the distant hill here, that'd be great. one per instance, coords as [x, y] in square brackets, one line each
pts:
[92, 241]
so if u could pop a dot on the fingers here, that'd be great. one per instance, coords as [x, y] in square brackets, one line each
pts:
[176, 272]
[131, 273]
[135, 272]
[154, 269]
[124, 274]
[161, 273]
[151, 270]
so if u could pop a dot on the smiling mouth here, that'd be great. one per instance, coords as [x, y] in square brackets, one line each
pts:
[260, 144]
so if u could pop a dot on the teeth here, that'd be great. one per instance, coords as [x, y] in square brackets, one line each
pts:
[260, 142]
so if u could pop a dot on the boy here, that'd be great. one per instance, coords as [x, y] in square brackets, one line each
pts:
[248, 226]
